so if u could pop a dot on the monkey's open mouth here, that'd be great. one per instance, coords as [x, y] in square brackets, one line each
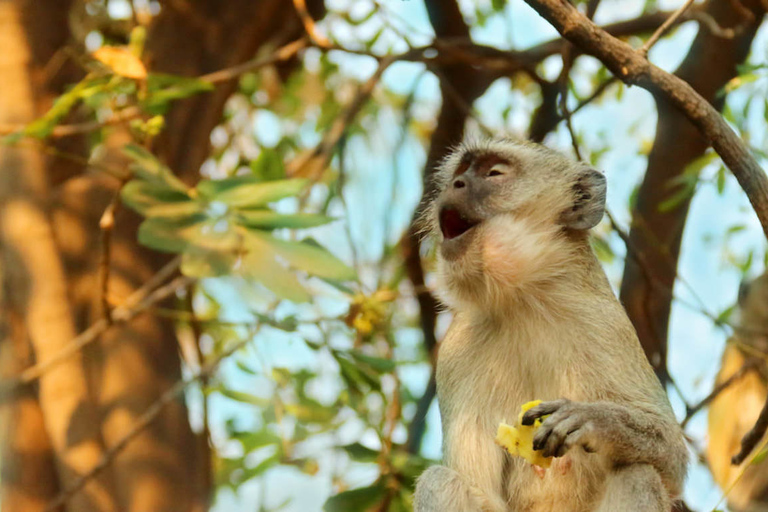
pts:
[454, 224]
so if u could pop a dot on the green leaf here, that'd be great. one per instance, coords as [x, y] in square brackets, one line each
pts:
[246, 398]
[245, 368]
[760, 457]
[44, 126]
[674, 200]
[739, 81]
[261, 467]
[377, 363]
[356, 500]
[360, 453]
[261, 265]
[246, 192]
[149, 168]
[268, 166]
[254, 440]
[725, 315]
[199, 263]
[306, 256]
[356, 375]
[311, 411]
[602, 249]
[152, 200]
[268, 219]
[170, 235]
[162, 89]
[721, 180]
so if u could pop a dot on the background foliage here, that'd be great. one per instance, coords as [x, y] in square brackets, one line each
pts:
[221, 194]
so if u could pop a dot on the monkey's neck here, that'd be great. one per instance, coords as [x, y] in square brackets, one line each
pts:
[578, 290]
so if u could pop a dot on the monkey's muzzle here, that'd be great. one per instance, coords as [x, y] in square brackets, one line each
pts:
[454, 223]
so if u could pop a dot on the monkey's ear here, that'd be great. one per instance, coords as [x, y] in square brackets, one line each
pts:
[589, 204]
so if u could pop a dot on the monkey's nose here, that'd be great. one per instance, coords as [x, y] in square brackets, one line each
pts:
[459, 183]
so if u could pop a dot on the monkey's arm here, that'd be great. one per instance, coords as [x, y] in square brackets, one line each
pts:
[624, 435]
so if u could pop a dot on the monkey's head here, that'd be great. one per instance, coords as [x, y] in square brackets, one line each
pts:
[508, 215]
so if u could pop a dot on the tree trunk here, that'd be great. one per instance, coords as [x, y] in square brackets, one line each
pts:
[655, 235]
[37, 308]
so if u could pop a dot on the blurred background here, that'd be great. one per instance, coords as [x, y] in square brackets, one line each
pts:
[213, 296]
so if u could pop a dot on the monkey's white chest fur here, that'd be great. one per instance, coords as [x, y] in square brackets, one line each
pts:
[482, 381]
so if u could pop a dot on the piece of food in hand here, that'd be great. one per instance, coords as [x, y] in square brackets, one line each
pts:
[518, 439]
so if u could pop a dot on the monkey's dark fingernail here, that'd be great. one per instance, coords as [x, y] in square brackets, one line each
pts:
[528, 418]
[588, 448]
[560, 450]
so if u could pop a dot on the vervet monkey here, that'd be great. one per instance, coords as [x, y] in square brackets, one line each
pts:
[535, 318]
[734, 411]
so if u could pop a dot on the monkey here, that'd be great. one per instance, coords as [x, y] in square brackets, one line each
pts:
[733, 412]
[534, 317]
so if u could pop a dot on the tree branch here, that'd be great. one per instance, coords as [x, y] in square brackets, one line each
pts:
[753, 437]
[692, 410]
[632, 67]
[144, 421]
[139, 301]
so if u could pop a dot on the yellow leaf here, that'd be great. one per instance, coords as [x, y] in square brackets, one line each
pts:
[121, 61]
[518, 439]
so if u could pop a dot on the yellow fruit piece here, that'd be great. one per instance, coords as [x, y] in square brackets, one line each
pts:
[518, 439]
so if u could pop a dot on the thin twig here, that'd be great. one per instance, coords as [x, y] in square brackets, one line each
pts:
[753, 437]
[321, 154]
[664, 27]
[599, 90]
[309, 24]
[564, 79]
[457, 98]
[146, 419]
[692, 410]
[281, 54]
[107, 225]
[137, 302]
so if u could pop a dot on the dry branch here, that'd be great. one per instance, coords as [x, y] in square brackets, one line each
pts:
[141, 300]
[692, 410]
[144, 421]
[664, 27]
[753, 437]
[632, 67]
[314, 161]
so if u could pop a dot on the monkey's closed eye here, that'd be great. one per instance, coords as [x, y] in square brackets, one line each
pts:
[495, 172]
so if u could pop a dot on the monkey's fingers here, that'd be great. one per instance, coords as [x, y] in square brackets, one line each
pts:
[562, 436]
[542, 409]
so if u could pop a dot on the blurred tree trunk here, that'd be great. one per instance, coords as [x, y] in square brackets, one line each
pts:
[62, 426]
[54, 252]
[656, 235]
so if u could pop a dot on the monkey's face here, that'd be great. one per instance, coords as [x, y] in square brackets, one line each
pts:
[505, 209]
[468, 199]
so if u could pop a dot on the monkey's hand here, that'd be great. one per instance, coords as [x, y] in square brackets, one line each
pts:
[623, 434]
[568, 424]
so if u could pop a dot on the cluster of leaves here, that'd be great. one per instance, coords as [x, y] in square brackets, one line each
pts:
[224, 227]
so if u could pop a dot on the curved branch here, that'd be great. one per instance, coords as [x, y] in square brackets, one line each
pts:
[634, 69]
